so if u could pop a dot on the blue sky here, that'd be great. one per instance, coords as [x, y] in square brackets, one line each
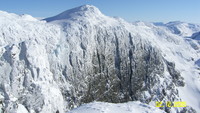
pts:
[130, 10]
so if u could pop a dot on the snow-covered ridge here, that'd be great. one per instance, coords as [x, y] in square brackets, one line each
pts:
[182, 28]
[81, 56]
[87, 11]
[26, 17]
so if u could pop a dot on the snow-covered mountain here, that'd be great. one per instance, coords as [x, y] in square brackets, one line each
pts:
[81, 56]
[181, 28]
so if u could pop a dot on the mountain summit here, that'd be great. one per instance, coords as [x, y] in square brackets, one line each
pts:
[82, 11]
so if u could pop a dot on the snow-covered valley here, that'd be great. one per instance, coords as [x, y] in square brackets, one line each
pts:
[81, 56]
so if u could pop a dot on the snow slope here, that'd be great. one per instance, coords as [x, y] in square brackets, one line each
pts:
[81, 56]
[130, 107]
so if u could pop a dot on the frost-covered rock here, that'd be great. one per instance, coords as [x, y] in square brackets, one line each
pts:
[25, 72]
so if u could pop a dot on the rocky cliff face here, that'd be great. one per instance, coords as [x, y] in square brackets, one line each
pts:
[81, 56]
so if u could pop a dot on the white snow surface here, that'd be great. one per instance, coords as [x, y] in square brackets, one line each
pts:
[129, 107]
[42, 39]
